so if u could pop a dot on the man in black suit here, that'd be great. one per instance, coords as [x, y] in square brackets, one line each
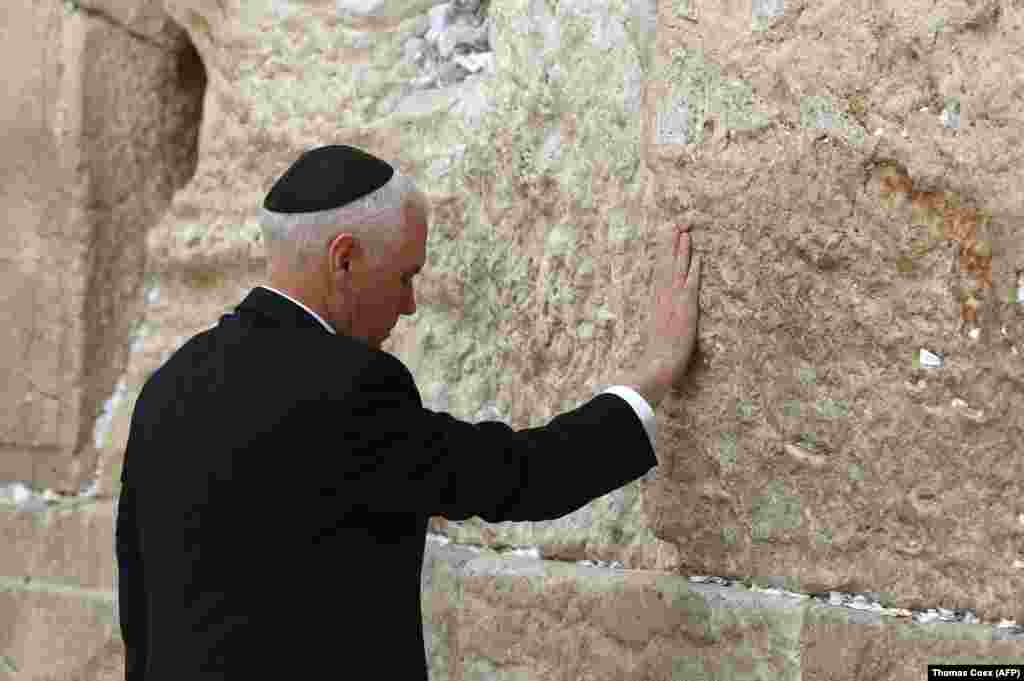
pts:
[280, 467]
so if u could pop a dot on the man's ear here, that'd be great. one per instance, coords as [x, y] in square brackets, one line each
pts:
[345, 260]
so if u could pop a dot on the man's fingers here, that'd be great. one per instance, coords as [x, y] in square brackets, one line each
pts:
[693, 276]
[673, 262]
[683, 256]
[663, 265]
[669, 254]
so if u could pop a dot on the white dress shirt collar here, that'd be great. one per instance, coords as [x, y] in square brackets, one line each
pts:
[300, 304]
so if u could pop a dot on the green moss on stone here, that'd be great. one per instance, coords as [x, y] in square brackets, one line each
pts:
[821, 113]
[735, 107]
[823, 535]
[729, 535]
[690, 668]
[774, 512]
[832, 408]
[621, 228]
[615, 534]
[727, 449]
[701, 93]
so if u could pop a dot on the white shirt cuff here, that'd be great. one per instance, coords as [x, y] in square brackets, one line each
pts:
[640, 406]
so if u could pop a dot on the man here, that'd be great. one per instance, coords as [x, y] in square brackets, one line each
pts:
[280, 468]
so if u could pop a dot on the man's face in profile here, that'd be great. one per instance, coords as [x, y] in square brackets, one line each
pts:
[380, 292]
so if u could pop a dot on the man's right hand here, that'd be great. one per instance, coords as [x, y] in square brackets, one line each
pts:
[672, 323]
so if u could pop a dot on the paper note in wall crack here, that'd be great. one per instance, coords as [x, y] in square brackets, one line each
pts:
[929, 359]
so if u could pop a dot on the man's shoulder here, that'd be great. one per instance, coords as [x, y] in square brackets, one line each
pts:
[383, 370]
[323, 363]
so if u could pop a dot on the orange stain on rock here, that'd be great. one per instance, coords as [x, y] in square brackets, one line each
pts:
[945, 218]
[928, 208]
[895, 180]
[961, 224]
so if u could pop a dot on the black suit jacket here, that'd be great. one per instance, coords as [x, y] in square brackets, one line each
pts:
[276, 488]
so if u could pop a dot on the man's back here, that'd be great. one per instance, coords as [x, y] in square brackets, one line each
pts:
[276, 489]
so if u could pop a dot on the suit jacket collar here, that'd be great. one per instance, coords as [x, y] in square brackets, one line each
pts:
[279, 310]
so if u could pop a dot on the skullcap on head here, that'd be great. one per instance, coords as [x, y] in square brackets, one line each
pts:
[327, 177]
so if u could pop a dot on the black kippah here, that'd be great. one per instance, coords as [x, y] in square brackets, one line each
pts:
[327, 177]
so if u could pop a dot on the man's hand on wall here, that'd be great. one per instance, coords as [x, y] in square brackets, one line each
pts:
[672, 323]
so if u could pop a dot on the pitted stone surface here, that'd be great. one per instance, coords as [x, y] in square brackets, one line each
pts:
[646, 624]
[860, 310]
[851, 427]
[98, 128]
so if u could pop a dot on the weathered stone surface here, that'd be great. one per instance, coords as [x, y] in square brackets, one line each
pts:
[853, 419]
[49, 634]
[70, 542]
[505, 617]
[835, 255]
[37, 280]
[838, 644]
[501, 617]
[96, 138]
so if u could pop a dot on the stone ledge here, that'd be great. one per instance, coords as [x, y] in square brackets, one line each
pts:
[69, 543]
[541, 619]
[519, 617]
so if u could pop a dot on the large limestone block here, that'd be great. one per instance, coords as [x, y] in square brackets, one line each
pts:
[508, 617]
[541, 240]
[58, 592]
[840, 644]
[58, 634]
[70, 542]
[96, 134]
[855, 179]
[523, 188]
[38, 345]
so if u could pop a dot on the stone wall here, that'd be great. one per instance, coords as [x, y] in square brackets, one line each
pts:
[847, 455]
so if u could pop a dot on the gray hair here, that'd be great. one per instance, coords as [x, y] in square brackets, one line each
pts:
[297, 241]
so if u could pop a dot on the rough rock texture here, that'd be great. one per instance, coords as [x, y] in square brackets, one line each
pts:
[848, 226]
[853, 420]
[98, 132]
[518, 618]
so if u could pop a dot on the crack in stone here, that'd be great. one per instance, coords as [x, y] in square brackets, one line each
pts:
[852, 601]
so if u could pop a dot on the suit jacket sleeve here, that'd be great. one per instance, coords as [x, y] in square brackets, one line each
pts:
[131, 587]
[400, 457]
